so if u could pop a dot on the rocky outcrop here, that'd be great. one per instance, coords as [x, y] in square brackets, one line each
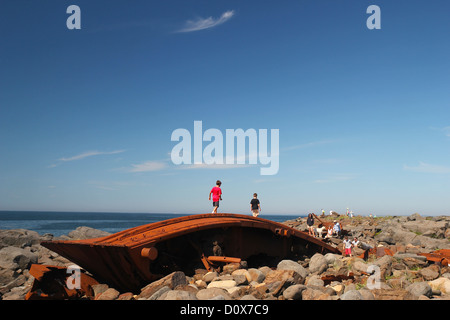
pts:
[405, 275]
[20, 248]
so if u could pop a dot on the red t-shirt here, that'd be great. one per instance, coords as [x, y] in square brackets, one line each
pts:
[216, 192]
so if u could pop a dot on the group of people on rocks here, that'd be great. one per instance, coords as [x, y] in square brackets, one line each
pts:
[334, 230]
[331, 231]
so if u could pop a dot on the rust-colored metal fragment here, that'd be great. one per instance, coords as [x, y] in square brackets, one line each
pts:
[132, 258]
[441, 256]
[328, 278]
[378, 252]
[51, 283]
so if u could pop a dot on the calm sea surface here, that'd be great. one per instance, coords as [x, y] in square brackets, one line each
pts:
[59, 223]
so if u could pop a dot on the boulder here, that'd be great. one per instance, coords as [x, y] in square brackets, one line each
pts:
[256, 275]
[126, 296]
[352, 295]
[360, 266]
[290, 276]
[294, 292]
[428, 228]
[314, 294]
[318, 263]
[242, 272]
[420, 288]
[332, 257]
[430, 273]
[441, 284]
[16, 258]
[83, 232]
[172, 280]
[210, 276]
[392, 294]
[315, 280]
[230, 267]
[18, 238]
[366, 294]
[159, 293]
[209, 293]
[99, 288]
[278, 280]
[108, 294]
[224, 284]
[294, 266]
[178, 295]
[240, 279]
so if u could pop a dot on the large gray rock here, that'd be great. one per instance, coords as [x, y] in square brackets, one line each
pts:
[18, 238]
[83, 232]
[159, 293]
[177, 278]
[178, 295]
[395, 234]
[420, 288]
[292, 265]
[256, 275]
[427, 227]
[16, 258]
[332, 257]
[108, 294]
[352, 295]
[210, 293]
[294, 292]
[318, 263]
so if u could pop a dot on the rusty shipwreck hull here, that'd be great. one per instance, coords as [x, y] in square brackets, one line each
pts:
[132, 258]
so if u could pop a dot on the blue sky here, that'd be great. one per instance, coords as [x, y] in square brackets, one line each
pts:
[86, 116]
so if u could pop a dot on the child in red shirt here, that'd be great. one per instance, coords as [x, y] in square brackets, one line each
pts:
[217, 195]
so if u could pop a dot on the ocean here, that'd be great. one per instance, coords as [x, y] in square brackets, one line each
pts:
[61, 223]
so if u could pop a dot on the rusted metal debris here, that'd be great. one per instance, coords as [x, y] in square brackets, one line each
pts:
[328, 278]
[441, 256]
[132, 258]
[330, 224]
[51, 283]
[378, 252]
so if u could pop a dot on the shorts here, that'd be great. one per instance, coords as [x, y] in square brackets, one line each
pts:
[348, 251]
[255, 212]
[215, 203]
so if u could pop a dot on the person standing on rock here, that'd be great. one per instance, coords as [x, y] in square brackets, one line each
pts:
[217, 195]
[347, 246]
[255, 205]
[310, 223]
[337, 228]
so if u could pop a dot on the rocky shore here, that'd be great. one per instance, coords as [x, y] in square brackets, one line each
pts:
[401, 275]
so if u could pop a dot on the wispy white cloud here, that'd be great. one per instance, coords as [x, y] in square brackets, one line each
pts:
[83, 155]
[428, 168]
[89, 154]
[148, 166]
[206, 23]
[445, 130]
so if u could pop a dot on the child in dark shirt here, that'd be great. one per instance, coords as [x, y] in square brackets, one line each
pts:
[255, 206]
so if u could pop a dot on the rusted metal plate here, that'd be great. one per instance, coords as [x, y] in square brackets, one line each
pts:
[132, 258]
[50, 283]
[441, 256]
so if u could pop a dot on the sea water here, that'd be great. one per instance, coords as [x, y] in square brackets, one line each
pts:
[59, 223]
